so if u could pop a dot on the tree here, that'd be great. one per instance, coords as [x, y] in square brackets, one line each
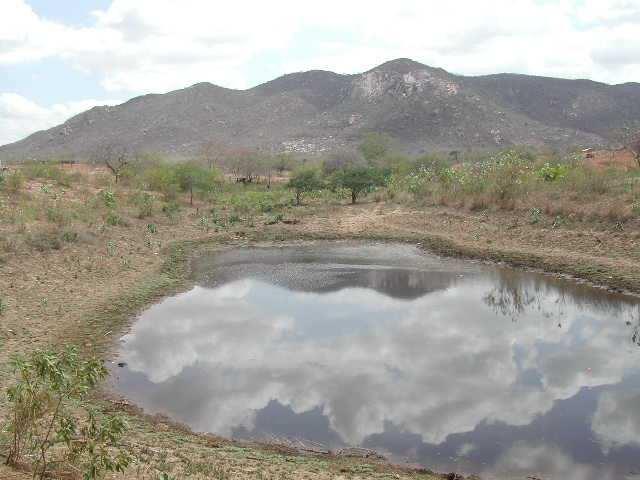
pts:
[114, 156]
[375, 146]
[304, 180]
[191, 176]
[356, 179]
[243, 164]
[283, 161]
[212, 154]
[341, 159]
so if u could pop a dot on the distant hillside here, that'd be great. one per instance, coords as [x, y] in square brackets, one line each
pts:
[423, 108]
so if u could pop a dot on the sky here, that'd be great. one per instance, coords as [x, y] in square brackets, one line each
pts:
[61, 57]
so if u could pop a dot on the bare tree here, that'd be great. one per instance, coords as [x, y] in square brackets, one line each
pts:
[243, 164]
[114, 156]
[212, 154]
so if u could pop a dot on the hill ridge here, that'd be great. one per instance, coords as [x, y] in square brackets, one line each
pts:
[424, 108]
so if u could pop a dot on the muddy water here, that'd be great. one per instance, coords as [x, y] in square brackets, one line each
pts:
[449, 364]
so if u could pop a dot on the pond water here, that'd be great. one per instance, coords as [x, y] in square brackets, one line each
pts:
[456, 366]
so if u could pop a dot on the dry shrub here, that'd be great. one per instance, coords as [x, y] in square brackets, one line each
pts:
[45, 240]
[477, 202]
[617, 211]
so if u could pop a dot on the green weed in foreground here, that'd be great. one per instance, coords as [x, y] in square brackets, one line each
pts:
[48, 425]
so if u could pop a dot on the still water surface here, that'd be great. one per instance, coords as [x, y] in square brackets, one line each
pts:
[449, 364]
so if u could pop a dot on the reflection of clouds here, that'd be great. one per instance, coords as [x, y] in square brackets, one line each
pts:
[616, 420]
[178, 332]
[522, 460]
[437, 365]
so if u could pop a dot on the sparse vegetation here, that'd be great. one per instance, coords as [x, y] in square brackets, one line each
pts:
[89, 230]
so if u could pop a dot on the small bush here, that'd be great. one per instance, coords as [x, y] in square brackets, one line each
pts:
[551, 173]
[171, 208]
[272, 220]
[109, 198]
[44, 240]
[113, 219]
[58, 215]
[70, 236]
[535, 214]
[13, 182]
[48, 425]
[144, 201]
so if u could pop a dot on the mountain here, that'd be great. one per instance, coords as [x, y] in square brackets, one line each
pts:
[421, 107]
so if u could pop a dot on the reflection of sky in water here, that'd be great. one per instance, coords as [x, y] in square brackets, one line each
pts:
[452, 365]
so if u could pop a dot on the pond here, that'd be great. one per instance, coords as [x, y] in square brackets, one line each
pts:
[449, 364]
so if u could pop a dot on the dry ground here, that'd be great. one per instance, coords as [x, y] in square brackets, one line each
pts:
[89, 291]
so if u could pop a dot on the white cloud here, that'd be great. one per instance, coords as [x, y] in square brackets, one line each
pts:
[20, 116]
[523, 460]
[616, 420]
[145, 45]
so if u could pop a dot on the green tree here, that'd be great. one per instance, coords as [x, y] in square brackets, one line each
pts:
[283, 161]
[192, 177]
[304, 180]
[356, 179]
[375, 146]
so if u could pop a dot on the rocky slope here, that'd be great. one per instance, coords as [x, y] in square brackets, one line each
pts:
[423, 108]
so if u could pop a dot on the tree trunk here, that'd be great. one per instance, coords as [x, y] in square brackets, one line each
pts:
[354, 197]
[191, 197]
[297, 199]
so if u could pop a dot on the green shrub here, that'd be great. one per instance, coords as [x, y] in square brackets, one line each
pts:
[551, 173]
[144, 201]
[55, 213]
[303, 181]
[114, 219]
[171, 208]
[70, 236]
[47, 423]
[13, 182]
[535, 214]
[50, 171]
[356, 179]
[109, 198]
[273, 219]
